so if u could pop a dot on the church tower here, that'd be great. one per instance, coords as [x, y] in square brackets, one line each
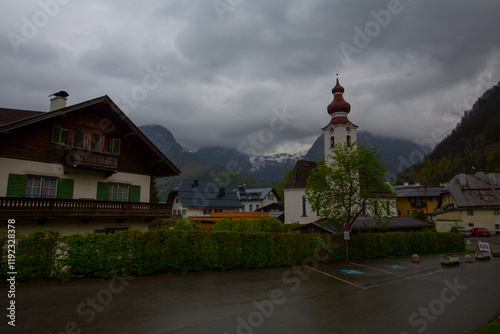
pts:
[340, 130]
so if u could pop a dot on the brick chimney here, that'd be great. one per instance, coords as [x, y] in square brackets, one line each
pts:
[58, 100]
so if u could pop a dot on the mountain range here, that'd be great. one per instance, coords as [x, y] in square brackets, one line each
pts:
[233, 167]
[473, 146]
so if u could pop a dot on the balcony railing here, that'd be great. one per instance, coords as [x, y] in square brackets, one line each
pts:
[16, 207]
[78, 158]
[418, 204]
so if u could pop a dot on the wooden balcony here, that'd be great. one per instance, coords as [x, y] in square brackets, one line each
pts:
[16, 207]
[78, 158]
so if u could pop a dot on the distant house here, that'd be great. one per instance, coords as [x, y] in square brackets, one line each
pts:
[85, 167]
[470, 201]
[416, 198]
[397, 224]
[255, 198]
[276, 210]
[197, 198]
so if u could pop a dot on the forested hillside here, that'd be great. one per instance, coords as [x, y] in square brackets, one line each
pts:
[473, 146]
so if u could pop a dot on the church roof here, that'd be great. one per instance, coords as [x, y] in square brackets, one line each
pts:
[338, 104]
[300, 173]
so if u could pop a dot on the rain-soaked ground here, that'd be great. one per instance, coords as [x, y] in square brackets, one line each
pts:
[379, 296]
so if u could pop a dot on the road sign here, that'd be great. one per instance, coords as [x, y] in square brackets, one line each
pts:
[347, 235]
[346, 227]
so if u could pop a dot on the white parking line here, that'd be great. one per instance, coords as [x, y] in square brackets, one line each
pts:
[337, 278]
[383, 271]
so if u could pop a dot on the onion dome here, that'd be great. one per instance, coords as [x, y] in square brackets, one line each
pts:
[338, 104]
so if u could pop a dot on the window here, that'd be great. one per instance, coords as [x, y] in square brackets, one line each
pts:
[388, 212]
[95, 143]
[60, 136]
[332, 141]
[183, 212]
[304, 206]
[271, 197]
[39, 186]
[349, 141]
[107, 143]
[118, 192]
[257, 207]
[79, 139]
[470, 212]
[497, 226]
[177, 200]
[250, 207]
[471, 224]
[496, 212]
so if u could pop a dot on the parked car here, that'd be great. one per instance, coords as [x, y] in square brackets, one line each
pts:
[480, 232]
[462, 230]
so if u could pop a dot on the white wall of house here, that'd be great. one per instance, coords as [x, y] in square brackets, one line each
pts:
[85, 184]
[294, 208]
[69, 226]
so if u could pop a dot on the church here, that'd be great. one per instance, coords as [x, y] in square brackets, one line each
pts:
[339, 130]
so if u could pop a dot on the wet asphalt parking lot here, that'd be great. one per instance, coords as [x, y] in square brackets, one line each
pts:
[377, 296]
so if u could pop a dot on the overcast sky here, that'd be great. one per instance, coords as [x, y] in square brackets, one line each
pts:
[223, 72]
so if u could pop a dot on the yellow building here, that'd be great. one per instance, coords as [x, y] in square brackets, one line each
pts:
[470, 201]
[416, 198]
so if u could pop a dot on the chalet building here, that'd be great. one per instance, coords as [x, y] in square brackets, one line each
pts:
[196, 198]
[275, 210]
[469, 201]
[85, 167]
[416, 198]
[254, 199]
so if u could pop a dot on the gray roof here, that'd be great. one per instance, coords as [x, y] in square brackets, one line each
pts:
[475, 191]
[253, 193]
[300, 173]
[417, 191]
[366, 224]
[205, 194]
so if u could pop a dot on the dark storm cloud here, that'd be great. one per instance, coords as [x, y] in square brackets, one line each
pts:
[226, 71]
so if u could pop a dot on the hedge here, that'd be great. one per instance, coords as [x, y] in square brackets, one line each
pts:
[44, 255]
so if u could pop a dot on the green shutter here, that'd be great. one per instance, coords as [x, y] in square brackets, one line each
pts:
[135, 193]
[116, 146]
[16, 187]
[65, 188]
[56, 134]
[102, 191]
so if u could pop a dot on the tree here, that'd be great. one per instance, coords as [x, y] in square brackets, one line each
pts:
[349, 184]
[154, 196]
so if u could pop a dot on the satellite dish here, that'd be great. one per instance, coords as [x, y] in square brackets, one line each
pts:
[60, 94]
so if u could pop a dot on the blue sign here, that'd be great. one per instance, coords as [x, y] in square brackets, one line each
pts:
[394, 267]
[350, 272]
[346, 227]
